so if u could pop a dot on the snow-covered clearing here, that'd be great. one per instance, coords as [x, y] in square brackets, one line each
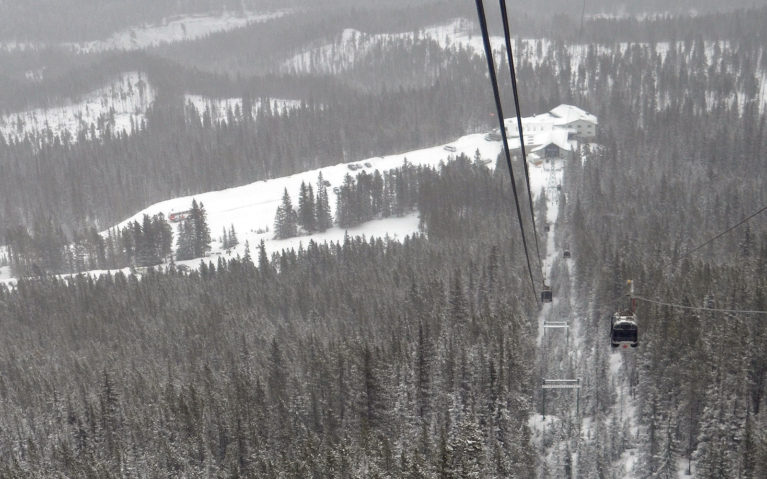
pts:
[352, 45]
[174, 29]
[5, 274]
[219, 108]
[251, 208]
[119, 106]
[13, 46]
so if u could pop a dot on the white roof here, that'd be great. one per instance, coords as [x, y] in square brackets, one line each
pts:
[558, 117]
[556, 136]
[547, 128]
[565, 114]
[535, 122]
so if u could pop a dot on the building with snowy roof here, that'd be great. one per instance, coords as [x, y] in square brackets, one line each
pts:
[568, 117]
[554, 134]
[578, 121]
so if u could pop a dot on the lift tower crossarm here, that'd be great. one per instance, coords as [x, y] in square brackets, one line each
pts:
[562, 384]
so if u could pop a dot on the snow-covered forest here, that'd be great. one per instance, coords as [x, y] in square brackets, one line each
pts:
[285, 244]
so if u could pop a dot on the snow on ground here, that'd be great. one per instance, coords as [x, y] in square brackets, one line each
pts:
[352, 45]
[5, 274]
[544, 179]
[460, 33]
[118, 106]
[538, 424]
[174, 29]
[681, 469]
[218, 108]
[396, 228]
[12, 46]
[251, 208]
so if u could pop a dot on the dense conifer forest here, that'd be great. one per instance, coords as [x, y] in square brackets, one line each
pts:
[366, 357]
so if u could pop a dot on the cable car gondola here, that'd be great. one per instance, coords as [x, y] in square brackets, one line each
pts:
[623, 330]
[546, 294]
[566, 254]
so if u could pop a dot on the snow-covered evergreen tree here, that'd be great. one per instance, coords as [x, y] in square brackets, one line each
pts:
[286, 219]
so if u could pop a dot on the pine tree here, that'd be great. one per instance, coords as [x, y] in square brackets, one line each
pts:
[424, 360]
[263, 260]
[201, 235]
[233, 241]
[323, 218]
[185, 241]
[165, 236]
[145, 244]
[459, 306]
[306, 208]
[286, 219]
[345, 205]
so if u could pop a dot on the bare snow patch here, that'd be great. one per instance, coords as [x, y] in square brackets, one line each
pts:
[174, 29]
[5, 275]
[352, 45]
[219, 109]
[120, 106]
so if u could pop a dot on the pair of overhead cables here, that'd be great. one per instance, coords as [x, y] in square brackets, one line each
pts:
[694, 308]
[698, 248]
[499, 109]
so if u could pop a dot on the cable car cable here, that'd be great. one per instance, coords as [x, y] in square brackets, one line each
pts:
[513, 73]
[499, 108]
[744, 220]
[696, 308]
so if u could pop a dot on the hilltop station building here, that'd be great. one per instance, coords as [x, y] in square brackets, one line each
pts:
[551, 135]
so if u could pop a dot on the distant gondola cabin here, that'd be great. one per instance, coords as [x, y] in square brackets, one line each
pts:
[546, 295]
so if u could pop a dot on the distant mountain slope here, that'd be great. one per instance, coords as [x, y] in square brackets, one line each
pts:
[120, 106]
[174, 29]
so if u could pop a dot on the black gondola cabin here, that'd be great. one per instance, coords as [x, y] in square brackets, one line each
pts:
[546, 294]
[623, 330]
